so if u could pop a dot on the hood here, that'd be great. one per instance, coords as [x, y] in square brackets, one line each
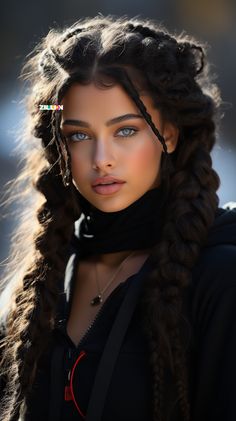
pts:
[223, 231]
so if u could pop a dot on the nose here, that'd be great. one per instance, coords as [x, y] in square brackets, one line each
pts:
[103, 155]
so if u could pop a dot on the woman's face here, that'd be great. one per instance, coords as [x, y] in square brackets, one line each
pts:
[115, 156]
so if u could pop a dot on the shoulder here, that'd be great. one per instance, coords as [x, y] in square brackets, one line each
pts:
[218, 256]
[215, 270]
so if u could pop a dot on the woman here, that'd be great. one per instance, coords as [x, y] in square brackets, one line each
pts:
[122, 305]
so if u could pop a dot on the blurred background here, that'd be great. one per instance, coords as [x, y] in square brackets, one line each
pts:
[24, 22]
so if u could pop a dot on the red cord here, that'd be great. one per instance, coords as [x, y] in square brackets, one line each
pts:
[81, 355]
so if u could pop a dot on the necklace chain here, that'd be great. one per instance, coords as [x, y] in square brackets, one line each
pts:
[98, 298]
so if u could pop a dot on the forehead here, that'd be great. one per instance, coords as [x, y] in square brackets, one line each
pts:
[91, 99]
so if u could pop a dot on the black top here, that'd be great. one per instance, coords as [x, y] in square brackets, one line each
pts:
[209, 309]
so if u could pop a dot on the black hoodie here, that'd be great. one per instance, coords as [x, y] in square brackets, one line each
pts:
[209, 315]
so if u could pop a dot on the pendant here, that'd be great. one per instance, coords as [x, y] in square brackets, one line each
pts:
[96, 300]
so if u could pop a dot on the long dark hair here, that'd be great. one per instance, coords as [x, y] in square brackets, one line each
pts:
[138, 54]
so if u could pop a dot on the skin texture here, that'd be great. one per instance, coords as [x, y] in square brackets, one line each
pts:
[102, 150]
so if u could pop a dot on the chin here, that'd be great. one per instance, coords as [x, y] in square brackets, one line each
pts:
[112, 204]
[109, 208]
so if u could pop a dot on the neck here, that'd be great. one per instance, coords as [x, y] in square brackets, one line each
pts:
[112, 260]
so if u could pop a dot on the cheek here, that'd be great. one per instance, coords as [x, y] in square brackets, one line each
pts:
[79, 165]
[146, 159]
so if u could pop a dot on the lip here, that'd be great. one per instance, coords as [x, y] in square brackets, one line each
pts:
[107, 179]
[107, 189]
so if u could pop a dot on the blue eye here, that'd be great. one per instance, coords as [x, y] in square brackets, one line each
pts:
[77, 137]
[127, 131]
[80, 136]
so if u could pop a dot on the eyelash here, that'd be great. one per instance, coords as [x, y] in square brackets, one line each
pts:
[70, 137]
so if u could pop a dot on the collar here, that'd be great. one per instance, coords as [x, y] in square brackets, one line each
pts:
[134, 228]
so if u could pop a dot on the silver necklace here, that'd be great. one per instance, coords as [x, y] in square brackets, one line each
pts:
[98, 299]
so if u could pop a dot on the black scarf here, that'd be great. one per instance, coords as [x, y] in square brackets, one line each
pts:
[136, 227]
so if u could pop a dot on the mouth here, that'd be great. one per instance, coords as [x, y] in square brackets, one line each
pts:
[108, 187]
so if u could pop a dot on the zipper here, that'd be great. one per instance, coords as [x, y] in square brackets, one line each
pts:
[90, 326]
[98, 314]
[76, 348]
[86, 332]
[105, 303]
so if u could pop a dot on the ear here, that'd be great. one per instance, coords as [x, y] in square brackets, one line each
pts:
[171, 136]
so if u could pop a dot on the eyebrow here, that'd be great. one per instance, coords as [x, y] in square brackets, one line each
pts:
[108, 123]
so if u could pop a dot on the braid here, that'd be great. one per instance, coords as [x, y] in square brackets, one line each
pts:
[71, 34]
[134, 95]
[40, 287]
[63, 150]
[185, 46]
[97, 24]
[144, 30]
[161, 36]
[194, 202]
